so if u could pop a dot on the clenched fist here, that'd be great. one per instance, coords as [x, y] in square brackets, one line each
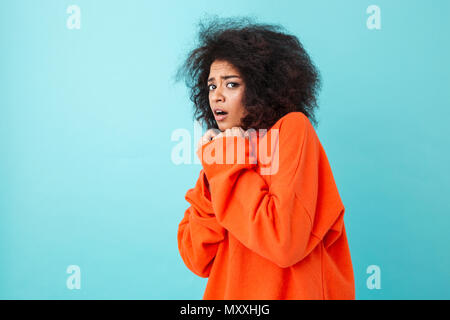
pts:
[235, 131]
[208, 136]
[212, 134]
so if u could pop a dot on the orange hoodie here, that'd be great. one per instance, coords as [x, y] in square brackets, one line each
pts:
[274, 234]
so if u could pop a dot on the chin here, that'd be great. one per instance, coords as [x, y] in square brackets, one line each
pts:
[223, 127]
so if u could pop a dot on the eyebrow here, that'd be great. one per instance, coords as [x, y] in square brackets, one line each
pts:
[224, 77]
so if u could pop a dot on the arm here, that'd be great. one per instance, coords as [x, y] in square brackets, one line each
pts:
[277, 221]
[199, 233]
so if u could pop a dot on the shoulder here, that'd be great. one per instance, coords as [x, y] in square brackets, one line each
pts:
[293, 124]
[293, 120]
[295, 129]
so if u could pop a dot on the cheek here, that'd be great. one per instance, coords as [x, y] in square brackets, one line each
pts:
[238, 102]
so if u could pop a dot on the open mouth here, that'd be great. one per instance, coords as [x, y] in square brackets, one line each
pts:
[220, 114]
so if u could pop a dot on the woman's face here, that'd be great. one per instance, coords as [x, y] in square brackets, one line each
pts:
[226, 92]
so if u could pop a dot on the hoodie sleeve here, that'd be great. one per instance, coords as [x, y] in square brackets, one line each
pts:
[199, 233]
[276, 221]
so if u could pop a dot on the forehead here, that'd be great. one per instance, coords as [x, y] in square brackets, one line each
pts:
[222, 67]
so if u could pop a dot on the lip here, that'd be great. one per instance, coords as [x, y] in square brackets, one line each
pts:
[220, 117]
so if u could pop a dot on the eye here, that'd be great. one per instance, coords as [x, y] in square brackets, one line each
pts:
[233, 83]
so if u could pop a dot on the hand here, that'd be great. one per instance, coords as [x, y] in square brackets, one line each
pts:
[208, 136]
[235, 131]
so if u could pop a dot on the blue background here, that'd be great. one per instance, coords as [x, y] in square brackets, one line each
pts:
[86, 118]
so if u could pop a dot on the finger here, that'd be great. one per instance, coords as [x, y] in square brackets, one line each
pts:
[218, 136]
[238, 131]
[214, 132]
[203, 140]
[208, 136]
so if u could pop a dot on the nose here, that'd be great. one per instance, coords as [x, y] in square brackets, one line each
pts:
[217, 95]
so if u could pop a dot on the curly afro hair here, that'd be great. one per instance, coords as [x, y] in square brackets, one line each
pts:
[279, 75]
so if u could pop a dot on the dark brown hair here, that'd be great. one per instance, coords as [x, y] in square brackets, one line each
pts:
[279, 75]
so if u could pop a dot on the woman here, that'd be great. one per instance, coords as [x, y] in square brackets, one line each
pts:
[269, 227]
